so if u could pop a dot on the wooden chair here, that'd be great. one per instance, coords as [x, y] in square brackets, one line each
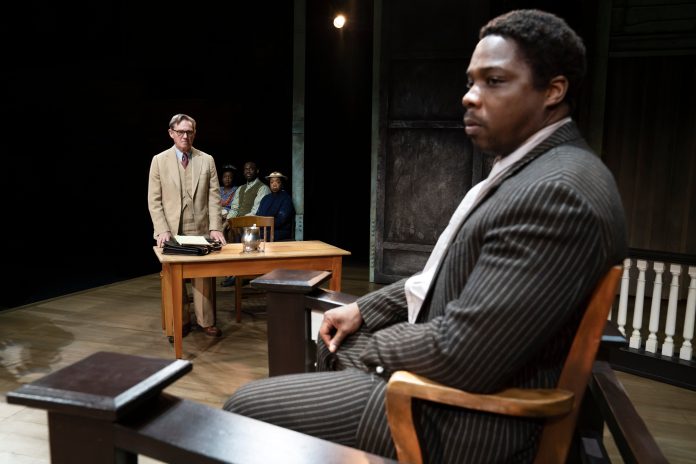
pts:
[559, 405]
[267, 226]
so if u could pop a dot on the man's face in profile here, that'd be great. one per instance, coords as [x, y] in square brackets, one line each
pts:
[502, 106]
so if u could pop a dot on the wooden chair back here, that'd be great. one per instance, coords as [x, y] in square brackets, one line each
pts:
[575, 376]
[265, 223]
[560, 405]
[267, 226]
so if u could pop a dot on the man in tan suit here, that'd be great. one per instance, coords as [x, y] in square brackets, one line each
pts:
[183, 197]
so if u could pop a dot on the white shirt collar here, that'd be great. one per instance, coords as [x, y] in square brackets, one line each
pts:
[534, 140]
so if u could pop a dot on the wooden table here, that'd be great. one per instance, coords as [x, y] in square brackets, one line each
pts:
[312, 255]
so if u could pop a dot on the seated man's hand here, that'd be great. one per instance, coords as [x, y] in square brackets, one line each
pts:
[338, 323]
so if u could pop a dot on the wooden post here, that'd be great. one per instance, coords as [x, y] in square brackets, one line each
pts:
[84, 399]
[288, 317]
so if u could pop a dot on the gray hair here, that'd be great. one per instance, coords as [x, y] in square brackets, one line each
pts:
[177, 118]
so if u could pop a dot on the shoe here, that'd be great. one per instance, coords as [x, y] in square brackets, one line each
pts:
[212, 331]
[228, 282]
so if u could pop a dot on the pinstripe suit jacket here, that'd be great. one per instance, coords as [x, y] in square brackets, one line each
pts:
[507, 298]
[164, 193]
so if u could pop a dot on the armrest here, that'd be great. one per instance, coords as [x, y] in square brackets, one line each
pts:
[403, 386]
[631, 435]
[174, 430]
[323, 300]
[537, 402]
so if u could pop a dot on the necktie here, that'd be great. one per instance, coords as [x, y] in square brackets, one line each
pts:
[184, 160]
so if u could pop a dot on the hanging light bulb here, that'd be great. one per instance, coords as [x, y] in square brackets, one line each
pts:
[339, 21]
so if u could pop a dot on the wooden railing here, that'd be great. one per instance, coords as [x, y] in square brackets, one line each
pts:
[655, 311]
[109, 408]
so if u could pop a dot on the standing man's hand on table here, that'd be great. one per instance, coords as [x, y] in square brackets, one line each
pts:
[163, 237]
[219, 236]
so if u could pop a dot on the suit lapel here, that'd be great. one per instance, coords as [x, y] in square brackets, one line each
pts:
[173, 165]
[196, 161]
[566, 133]
[563, 134]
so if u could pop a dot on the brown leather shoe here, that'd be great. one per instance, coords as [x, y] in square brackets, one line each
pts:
[212, 331]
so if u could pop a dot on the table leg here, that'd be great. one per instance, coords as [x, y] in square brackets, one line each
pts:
[165, 283]
[336, 267]
[176, 284]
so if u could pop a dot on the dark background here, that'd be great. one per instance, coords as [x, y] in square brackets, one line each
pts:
[87, 93]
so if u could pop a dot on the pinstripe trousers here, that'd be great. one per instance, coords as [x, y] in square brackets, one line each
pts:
[338, 403]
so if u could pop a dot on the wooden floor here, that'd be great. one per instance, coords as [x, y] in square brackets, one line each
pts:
[124, 317]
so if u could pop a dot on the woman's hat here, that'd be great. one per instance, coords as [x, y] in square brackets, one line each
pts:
[228, 167]
[276, 174]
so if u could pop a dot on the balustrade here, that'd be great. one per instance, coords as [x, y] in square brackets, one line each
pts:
[662, 334]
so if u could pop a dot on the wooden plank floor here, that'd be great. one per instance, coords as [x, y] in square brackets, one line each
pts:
[124, 317]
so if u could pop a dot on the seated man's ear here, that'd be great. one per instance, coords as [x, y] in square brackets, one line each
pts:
[556, 90]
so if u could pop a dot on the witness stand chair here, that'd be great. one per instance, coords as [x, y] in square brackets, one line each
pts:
[267, 226]
[560, 406]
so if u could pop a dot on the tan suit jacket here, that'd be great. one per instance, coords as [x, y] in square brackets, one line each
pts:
[164, 193]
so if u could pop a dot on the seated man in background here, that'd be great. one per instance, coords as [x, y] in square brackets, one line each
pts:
[502, 293]
[246, 201]
[278, 204]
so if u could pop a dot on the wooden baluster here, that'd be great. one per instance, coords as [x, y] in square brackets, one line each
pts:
[686, 351]
[651, 343]
[668, 345]
[623, 297]
[638, 306]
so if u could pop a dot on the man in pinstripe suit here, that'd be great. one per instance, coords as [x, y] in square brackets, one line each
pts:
[502, 294]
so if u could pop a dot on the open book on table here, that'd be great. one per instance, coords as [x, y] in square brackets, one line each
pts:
[191, 240]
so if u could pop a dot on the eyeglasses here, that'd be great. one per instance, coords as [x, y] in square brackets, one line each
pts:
[181, 133]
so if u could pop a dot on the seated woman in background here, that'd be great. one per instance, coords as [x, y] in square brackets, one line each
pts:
[278, 204]
[227, 190]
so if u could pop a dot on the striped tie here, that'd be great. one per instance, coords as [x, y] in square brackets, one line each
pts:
[184, 160]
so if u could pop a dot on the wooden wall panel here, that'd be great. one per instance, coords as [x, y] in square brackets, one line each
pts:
[650, 146]
[650, 124]
[425, 163]
[431, 90]
[428, 173]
